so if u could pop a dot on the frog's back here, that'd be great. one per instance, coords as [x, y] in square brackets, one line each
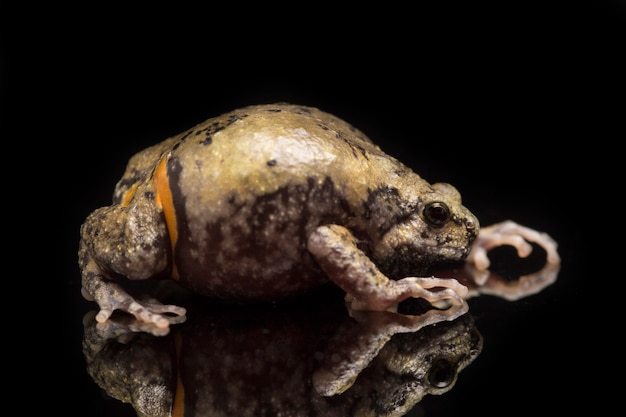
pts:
[259, 149]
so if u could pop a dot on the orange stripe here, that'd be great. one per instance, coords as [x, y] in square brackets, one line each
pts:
[128, 195]
[165, 201]
[178, 408]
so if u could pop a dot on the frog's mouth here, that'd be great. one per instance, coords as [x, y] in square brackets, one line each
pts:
[448, 253]
[415, 260]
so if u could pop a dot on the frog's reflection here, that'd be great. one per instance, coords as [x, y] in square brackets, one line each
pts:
[296, 359]
[293, 360]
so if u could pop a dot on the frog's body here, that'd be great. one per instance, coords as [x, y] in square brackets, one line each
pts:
[270, 201]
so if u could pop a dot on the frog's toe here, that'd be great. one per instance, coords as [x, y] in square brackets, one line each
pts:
[448, 289]
[478, 258]
[104, 314]
[159, 314]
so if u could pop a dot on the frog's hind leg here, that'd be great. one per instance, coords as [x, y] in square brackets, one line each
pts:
[334, 248]
[111, 296]
[111, 246]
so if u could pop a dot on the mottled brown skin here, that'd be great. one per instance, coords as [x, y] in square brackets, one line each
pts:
[270, 201]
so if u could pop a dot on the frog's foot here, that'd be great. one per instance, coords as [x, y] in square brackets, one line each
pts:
[161, 315]
[149, 311]
[441, 293]
[513, 234]
[122, 328]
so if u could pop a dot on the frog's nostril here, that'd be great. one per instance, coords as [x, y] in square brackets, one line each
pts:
[470, 224]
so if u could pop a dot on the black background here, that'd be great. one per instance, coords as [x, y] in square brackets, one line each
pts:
[518, 104]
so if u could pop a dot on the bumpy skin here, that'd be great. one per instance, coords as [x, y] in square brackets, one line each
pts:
[270, 201]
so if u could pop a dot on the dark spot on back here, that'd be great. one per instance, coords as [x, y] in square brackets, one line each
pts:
[233, 118]
[217, 126]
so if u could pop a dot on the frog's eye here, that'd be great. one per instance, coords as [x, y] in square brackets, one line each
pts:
[436, 213]
[441, 374]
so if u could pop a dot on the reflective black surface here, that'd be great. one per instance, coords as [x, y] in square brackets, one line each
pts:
[508, 102]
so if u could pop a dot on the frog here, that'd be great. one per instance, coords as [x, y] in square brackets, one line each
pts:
[270, 201]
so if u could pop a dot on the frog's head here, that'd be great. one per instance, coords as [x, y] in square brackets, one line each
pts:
[436, 228]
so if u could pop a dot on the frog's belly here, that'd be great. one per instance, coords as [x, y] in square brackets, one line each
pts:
[251, 272]
[255, 248]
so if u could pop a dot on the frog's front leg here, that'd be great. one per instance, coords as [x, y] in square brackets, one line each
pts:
[510, 233]
[334, 248]
[112, 245]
